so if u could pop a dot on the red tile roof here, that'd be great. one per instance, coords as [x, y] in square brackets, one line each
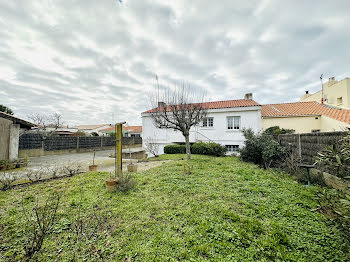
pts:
[17, 120]
[221, 104]
[134, 129]
[90, 127]
[305, 109]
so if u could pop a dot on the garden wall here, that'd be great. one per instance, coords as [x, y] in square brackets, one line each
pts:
[36, 145]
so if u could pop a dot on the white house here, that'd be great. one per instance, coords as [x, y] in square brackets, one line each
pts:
[93, 129]
[223, 124]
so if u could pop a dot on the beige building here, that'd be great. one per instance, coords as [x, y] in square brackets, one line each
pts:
[10, 129]
[305, 117]
[335, 93]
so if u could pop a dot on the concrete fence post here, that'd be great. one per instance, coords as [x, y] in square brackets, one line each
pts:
[101, 141]
[77, 142]
[14, 142]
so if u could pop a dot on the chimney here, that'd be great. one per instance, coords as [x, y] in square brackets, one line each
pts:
[248, 96]
[332, 81]
[161, 104]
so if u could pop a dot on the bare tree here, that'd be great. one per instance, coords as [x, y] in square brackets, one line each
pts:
[178, 112]
[152, 146]
[46, 122]
[38, 119]
[56, 120]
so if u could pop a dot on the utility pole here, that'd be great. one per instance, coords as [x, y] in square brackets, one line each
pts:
[321, 77]
[157, 87]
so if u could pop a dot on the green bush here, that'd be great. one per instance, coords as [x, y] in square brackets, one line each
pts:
[201, 148]
[211, 148]
[276, 130]
[261, 149]
[175, 149]
[336, 158]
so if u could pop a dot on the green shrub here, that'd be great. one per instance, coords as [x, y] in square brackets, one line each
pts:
[211, 148]
[175, 149]
[336, 158]
[261, 149]
[276, 130]
[201, 148]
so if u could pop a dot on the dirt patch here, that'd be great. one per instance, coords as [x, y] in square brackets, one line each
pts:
[327, 211]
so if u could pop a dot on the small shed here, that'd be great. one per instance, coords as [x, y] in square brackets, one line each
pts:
[10, 129]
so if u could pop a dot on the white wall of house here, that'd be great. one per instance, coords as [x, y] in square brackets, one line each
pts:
[95, 130]
[131, 134]
[249, 117]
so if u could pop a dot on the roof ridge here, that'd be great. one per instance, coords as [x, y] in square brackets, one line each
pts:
[306, 109]
[226, 101]
[288, 103]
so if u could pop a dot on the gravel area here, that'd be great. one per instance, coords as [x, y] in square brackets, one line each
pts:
[102, 159]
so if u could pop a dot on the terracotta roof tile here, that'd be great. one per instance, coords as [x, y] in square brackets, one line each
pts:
[221, 104]
[90, 127]
[135, 129]
[305, 109]
[22, 122]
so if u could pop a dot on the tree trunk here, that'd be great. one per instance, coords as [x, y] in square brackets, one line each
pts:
[188, 149]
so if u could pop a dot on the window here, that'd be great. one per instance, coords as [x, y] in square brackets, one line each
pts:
[208, 122]
[135, 135]
[232, 148]
[315, 130]
[233, 122]
[340, 100]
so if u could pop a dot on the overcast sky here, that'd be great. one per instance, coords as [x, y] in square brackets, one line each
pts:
[88, 59]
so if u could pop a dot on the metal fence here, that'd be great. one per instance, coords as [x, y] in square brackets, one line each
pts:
[37, 141]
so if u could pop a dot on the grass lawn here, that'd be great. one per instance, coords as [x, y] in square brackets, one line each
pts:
[226, 210]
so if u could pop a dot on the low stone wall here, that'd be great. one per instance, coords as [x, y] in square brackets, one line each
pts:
[331, 181]
[41, 152]
[134, 155]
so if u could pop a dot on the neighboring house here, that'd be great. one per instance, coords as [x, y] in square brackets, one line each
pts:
[93, 129]
[335, 93]
[305, 117]
[132, 131]
[223, 125]
[64, 131]
[60, 131]
[10, 129]
[128, 131]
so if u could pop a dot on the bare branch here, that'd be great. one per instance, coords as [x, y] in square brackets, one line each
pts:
[179, 110]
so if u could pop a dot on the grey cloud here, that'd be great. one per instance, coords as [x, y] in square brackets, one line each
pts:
[216, 48]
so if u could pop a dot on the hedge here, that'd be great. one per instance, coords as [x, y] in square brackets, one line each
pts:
[197, 148]
[175, 149]
[211, 148]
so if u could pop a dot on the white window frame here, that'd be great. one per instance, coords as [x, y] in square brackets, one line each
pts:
[205, 122]
[233, 128]
[234, 147]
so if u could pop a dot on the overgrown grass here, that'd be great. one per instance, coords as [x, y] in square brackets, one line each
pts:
[225, 210]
